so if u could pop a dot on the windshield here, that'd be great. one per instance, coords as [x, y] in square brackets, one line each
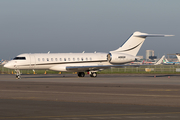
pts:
[19, 58]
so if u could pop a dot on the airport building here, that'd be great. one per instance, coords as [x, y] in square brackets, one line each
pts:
[149, 53]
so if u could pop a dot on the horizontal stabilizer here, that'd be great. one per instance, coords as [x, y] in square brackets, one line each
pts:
[153, 35]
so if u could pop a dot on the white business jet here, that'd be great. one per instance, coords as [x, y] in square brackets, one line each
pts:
[81, 62]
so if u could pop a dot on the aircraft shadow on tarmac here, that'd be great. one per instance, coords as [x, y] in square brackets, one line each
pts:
[167, 75]
[48, 76]
[99, 76]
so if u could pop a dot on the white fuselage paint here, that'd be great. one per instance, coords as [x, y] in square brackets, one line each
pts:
[59, 61]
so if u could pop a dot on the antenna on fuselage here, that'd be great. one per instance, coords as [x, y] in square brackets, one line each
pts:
[48, 52]
[83, 52]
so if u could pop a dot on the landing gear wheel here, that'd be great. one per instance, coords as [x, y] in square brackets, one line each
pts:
[93, 74]
[18, 74]
[18, 77]
[81, 74]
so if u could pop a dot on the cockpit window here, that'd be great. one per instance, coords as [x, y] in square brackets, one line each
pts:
[19, 58]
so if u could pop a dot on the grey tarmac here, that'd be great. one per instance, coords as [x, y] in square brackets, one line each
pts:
[63, 97]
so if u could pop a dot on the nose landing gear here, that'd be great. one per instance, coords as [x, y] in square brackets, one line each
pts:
[18, 74]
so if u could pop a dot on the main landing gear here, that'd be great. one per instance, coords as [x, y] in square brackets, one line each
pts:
[81, 74]
[92, 74]
[18, 74]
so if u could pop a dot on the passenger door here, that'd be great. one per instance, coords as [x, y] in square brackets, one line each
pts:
[32, 61]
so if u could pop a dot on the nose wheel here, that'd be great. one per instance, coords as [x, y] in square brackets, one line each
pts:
[18, 77]
[18, 74]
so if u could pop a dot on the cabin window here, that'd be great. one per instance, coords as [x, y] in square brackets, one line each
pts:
[38, 59]
[19, 58]
[51, 59]
[42, 59]
[60, 59]
[69, 59]
[56, 59]
[47, 59]
[64, 59]
[87, 59]
[73, 59]
[77, 59]
[121, 56]
[90, 58]
[82, 59]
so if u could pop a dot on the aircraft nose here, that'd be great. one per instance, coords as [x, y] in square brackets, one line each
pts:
[8, 65]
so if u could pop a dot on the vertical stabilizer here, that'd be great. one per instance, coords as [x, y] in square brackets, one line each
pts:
[132, 45]
[160, 60]
[166, 60]
[178, 56]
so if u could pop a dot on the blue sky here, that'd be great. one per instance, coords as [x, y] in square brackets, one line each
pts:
[39, 26]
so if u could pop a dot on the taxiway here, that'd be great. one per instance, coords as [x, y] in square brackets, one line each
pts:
[59, 97]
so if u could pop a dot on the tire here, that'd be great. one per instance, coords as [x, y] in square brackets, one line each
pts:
[81, 74]
[93, 74]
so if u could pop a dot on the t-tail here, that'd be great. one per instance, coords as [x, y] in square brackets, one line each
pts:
[178, 56]
[133, 44]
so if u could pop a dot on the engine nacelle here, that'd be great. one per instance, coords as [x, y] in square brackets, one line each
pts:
[118, 58]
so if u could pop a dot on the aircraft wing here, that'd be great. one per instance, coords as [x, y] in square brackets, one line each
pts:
[95, 67]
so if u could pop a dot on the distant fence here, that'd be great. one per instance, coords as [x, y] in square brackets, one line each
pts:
[161, 69]
[170, 69]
